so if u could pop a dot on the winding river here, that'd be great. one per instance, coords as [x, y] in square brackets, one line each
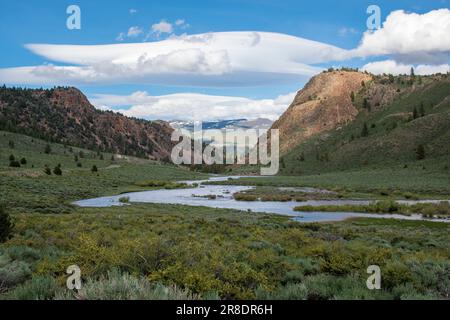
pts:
[198, 196]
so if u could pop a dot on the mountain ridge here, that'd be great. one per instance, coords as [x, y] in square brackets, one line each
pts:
[384, 120]
[65, 115]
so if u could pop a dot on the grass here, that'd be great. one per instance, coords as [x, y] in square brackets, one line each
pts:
[388, 181]
[29, 189]
[429, 210]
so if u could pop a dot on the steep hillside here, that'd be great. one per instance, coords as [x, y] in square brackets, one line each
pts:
[350, 124]
[65, 115]
[323, 104]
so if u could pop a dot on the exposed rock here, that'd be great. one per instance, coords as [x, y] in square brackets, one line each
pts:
[323, 104]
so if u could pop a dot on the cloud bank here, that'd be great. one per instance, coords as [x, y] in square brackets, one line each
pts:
[395, 68]
[181, 105]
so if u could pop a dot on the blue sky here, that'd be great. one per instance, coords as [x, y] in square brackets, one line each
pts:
[44, 22]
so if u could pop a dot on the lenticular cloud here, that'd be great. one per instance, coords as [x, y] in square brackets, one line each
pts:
[225, 58]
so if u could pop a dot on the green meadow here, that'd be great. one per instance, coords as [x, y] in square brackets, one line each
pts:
[151, 251]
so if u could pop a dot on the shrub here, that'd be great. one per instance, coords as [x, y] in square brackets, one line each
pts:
[23, 161]
[394, 274]
[245, 197]
[291, 291]
[38, 288]
[14, 273]
[12, 158]
[47, 171]
[6, 225]
[94, 168]
[117, 286]
[124, 199]
[23, 253]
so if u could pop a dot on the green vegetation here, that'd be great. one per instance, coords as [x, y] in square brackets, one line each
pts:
[34, 188]
[288, 194]
[161, 184]
[429, 210]
[124, 199]
[398, 182]
[206, 253]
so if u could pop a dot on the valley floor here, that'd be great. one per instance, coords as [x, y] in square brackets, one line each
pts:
[179, 252]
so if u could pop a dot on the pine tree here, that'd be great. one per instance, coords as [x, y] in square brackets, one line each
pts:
[412, 76]
[48, 149]
[94, 168]
[366, 104]
[415, 113]
[364, 131]
[6, 225]
[420, 152]
[352, 96]
[422, 110]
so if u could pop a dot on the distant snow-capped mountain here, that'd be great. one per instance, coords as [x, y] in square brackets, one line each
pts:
[260, 123]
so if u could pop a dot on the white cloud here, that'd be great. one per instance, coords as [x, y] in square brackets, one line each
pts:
[180, 22]
[134, 32]
[344, 31]
[212, 59]
[121, 36]
[410, 38]
[133, 11]
[189, 106]
[392, 67]
[162, 27]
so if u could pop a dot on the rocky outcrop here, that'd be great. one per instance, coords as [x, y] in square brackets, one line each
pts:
[323, 104]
